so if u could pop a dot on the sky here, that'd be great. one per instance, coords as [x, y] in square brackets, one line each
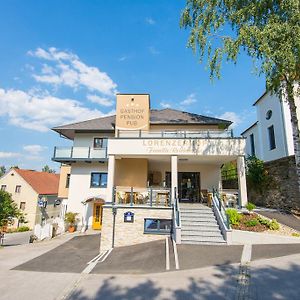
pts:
[64, 61]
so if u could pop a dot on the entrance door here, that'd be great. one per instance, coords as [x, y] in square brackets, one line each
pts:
[188, 186]
[97, 216]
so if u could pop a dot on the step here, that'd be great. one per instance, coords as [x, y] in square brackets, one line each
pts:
[200, 228]
[199, 222]
[193, 213]
[213, 239]
[198, 210]
[204, 243]
[198, 219]
[200, 234]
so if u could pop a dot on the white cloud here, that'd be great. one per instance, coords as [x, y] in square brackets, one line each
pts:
[153, 50]
[70, 71]
[8, 154]
[100, 100]
[231, 116]
[165, 104]
[41, 112]
[150, 21]
[123, 58]
[34, 149]
[190, 99]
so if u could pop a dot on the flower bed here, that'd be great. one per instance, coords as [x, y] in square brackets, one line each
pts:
[250, 221]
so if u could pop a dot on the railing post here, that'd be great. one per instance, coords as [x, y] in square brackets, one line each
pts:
[71, 155]
[151, 196]
[131, 196]
[140, 133]
[54, 153]
[113, 195]
[89, 153]
[231, 132]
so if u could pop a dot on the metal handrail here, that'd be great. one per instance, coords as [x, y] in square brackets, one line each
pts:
[219, 205]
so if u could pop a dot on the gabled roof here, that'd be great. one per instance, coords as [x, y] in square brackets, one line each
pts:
[250, 127]
[166, 116]
[42, 182]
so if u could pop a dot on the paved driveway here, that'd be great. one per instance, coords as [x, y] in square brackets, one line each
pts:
[70, 257]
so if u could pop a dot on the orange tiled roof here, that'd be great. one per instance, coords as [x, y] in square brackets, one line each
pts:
[42, 182]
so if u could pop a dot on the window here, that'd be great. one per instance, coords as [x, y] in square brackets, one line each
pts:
[22, 205]
[100, 143]
[99, 180]
[68, 180]
[157, 226]
[272, 142]
[3, 187]
[18, 189]
[252, 145]
[268, 114]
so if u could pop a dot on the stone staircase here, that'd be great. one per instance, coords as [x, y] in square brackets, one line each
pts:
[199, 225]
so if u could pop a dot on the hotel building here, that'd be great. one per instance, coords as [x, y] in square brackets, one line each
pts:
[144, 173]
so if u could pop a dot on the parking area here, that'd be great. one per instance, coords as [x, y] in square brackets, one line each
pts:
[70, 257]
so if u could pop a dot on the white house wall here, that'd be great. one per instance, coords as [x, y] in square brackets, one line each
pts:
[257, 142]
[80, 190]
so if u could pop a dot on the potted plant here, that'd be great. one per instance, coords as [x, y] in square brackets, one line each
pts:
[71, 219]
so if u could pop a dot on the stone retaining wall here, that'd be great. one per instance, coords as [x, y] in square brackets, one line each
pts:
[130, 233]
[284, 193]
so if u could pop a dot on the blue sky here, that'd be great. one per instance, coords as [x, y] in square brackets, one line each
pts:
[63, 61]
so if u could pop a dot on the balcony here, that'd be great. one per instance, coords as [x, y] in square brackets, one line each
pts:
[178, 134]
[73, 154]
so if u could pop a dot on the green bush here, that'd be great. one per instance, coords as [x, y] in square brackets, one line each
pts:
[252, 223]
[234, 216]
[250, 206]
[264, 221]
[274, 225]
[295, 234]
[23, 228]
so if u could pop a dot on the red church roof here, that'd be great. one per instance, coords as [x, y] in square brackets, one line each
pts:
[42, 182]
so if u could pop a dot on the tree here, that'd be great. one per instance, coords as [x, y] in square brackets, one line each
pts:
[269, 32]
[8, 209]
[47, 169]
[2, 170]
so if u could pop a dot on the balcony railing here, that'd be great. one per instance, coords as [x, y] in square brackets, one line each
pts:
[142, 196]
[79, 153]
[175, 134]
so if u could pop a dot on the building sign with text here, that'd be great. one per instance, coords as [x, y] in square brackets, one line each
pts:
[132, 112]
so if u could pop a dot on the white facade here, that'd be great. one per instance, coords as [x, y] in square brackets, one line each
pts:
[272, 112]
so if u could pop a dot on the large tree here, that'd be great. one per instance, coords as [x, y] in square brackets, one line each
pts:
[267, 30]
[2, 170]
[47, 169]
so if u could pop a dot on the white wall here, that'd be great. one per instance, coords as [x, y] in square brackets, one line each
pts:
[80, 189]
[257, 142]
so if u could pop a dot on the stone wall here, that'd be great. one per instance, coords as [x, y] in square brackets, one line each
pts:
[283, 193]
[129, 233]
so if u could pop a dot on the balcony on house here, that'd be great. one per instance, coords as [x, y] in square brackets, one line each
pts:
[216, 133]
[72, 154]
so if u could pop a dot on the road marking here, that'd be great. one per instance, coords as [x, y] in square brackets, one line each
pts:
[167, 255]
[106, 255]
[176, 256]
[246, 254]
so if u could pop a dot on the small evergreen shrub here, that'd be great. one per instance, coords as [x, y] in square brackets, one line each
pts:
[274, 225]
[252, 223]
[264, 221]
[250, 206]
[233, 216]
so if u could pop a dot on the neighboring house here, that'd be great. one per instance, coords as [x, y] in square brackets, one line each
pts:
[63, 189]
[271, 136]
[28, 188]
[129, 170]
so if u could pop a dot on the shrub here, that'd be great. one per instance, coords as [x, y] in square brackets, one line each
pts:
[23, 228]
[295, 234]
[234, 216]
[274, 225]
[71, 218]
[250, 206]
[264, 221]
[252, 223]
